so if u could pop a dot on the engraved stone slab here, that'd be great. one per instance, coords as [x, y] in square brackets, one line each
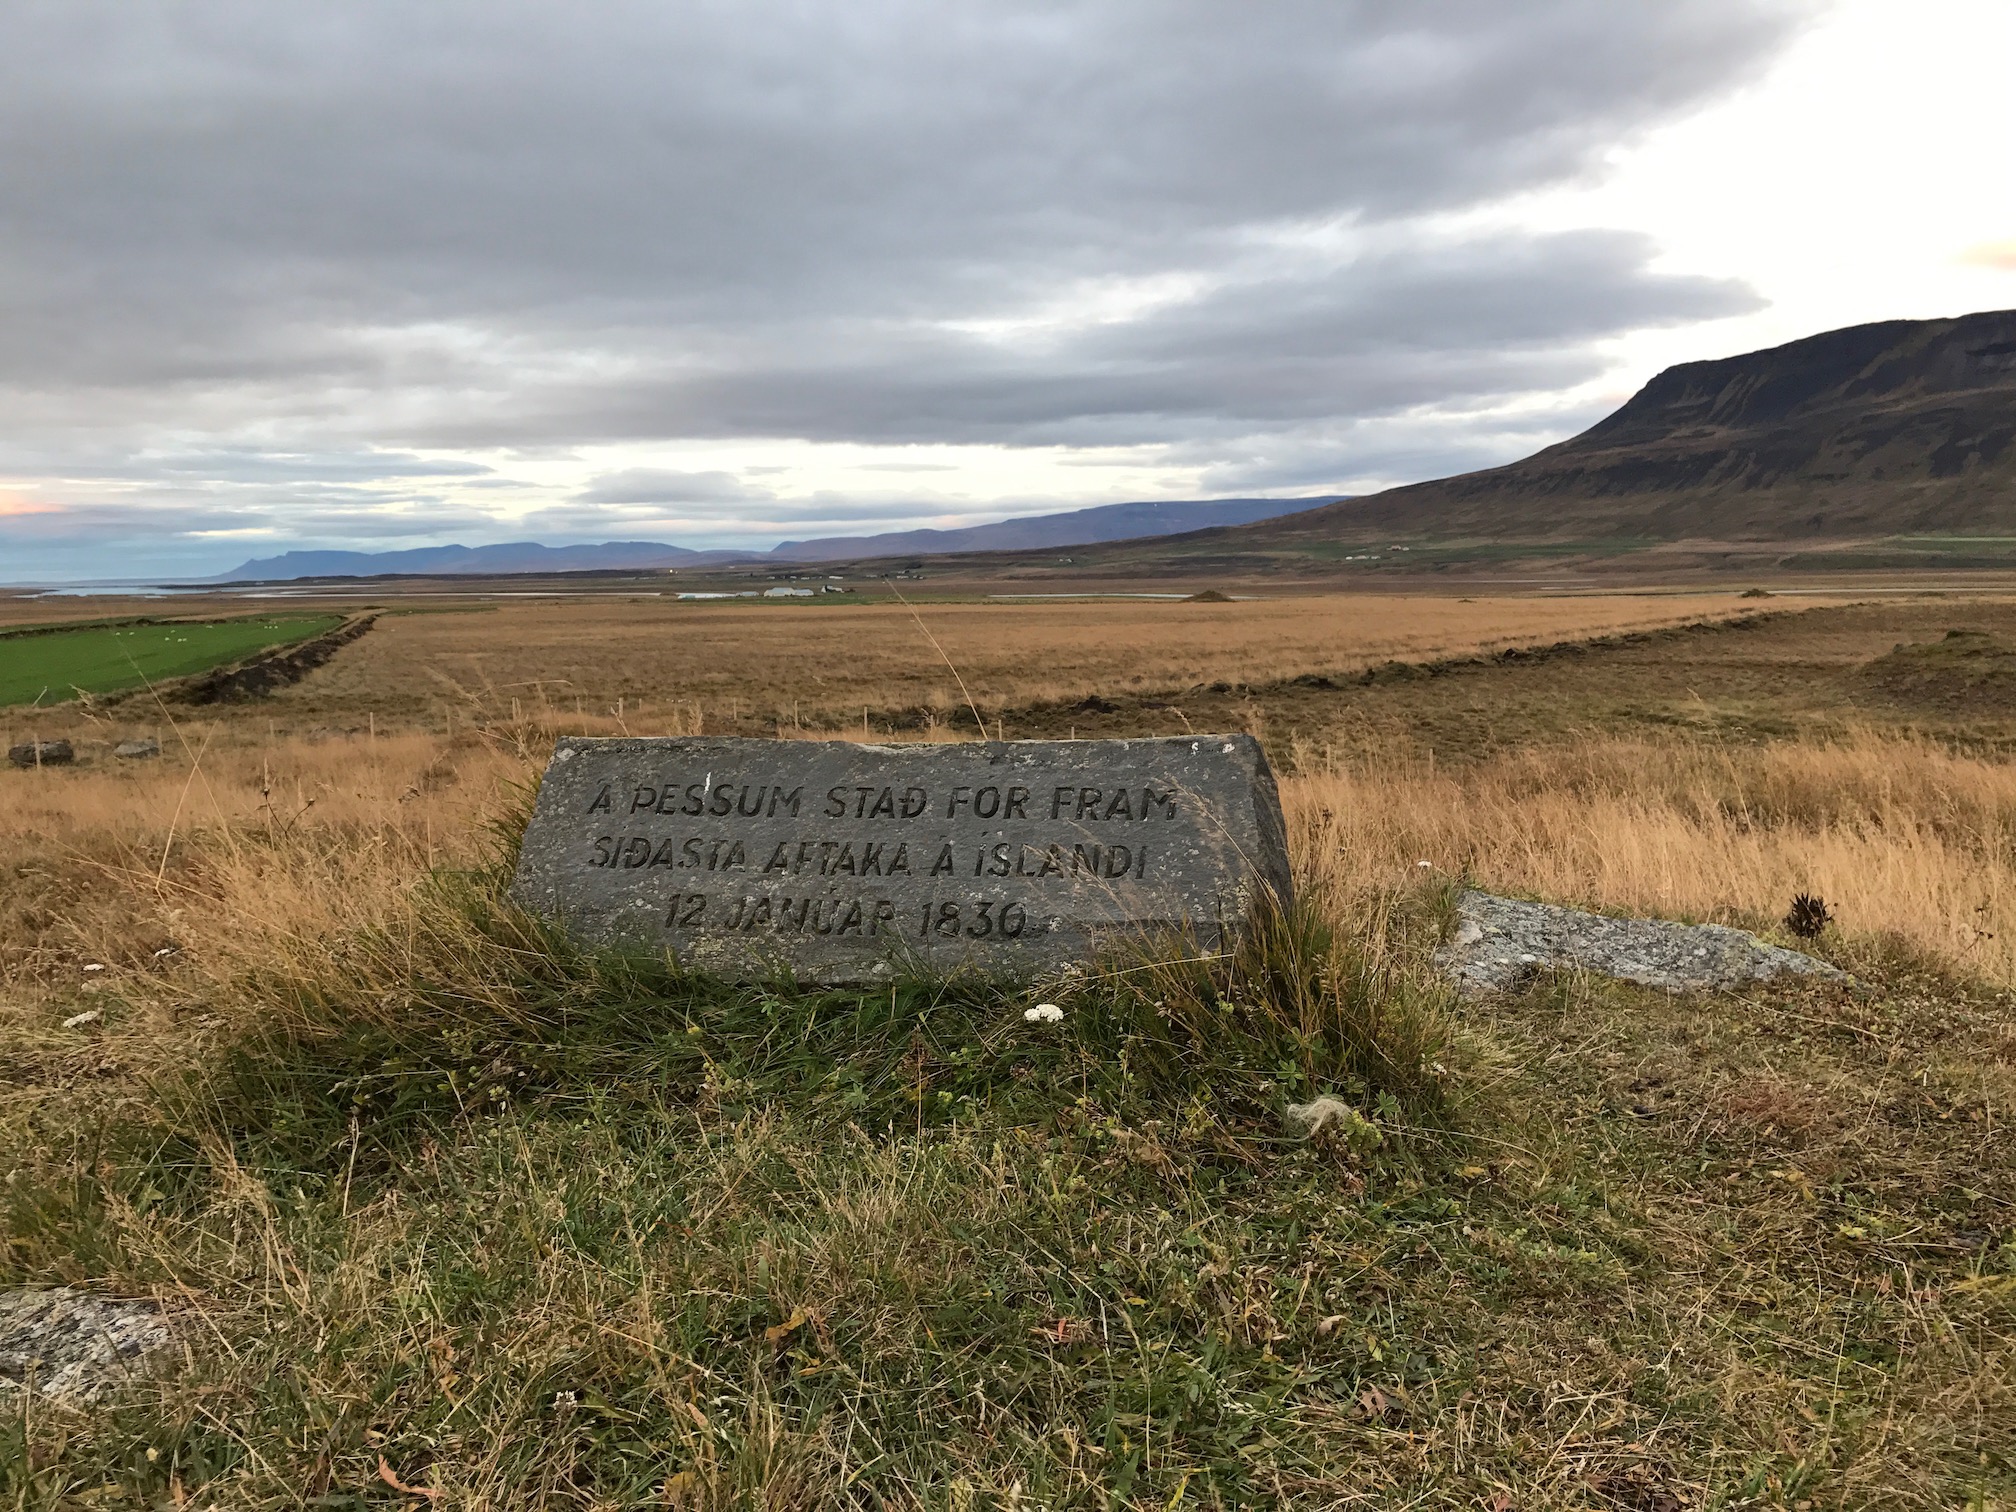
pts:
[846, 862]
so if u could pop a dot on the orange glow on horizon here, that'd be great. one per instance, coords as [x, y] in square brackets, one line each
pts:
[1997, 254]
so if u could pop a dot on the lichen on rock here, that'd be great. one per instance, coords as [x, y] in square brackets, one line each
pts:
[69, 1345]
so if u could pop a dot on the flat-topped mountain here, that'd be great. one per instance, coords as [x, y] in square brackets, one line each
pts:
[1076, 527]
[1904, 427]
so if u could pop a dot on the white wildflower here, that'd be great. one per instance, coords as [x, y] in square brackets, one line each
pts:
[1044, 1013]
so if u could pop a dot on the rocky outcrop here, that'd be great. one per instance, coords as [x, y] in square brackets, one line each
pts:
[1501, 944]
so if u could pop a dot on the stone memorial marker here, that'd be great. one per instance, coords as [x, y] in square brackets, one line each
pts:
[844, 862]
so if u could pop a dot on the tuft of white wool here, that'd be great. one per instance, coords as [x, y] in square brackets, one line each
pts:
[1318, 1112]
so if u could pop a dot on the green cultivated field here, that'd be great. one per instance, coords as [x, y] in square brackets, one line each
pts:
[52, 666]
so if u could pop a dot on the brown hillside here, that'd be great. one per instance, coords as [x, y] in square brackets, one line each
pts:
[1899, 428]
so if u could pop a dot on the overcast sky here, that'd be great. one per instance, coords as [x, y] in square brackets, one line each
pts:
[375, 274]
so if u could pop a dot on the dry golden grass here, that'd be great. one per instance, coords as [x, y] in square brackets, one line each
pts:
[237, 857]
[1900, 836]
[659, 663]
[34, 609]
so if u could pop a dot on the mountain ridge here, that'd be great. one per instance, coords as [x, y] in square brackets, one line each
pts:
[1894, 427]
[1076, 527]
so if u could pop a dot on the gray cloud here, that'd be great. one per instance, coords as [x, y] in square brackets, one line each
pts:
[249, 242]
[94, 524]
[725, 519]
[243, 465]
[230, 464]
[1416, 324]
[653, 485]
[1364, 456]
[154, 511]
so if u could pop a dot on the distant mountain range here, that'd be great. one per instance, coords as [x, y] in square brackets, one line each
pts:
[1905, 427]
[1077, 527]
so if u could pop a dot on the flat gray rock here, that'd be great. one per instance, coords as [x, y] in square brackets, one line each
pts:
[845, 862]
[1501, 943]
[41, 753]
[70, 1345]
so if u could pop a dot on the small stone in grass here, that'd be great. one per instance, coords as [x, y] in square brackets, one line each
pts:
[1500, 944]
[70, 1345]
[79, 1020]
[42, 753]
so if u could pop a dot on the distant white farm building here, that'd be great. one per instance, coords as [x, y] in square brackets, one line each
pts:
[787, 593]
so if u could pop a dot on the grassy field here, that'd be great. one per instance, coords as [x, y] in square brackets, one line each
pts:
[55, 665]
[436, 1199]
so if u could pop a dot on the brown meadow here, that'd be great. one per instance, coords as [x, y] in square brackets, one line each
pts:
[796, 665]
[659, 664]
